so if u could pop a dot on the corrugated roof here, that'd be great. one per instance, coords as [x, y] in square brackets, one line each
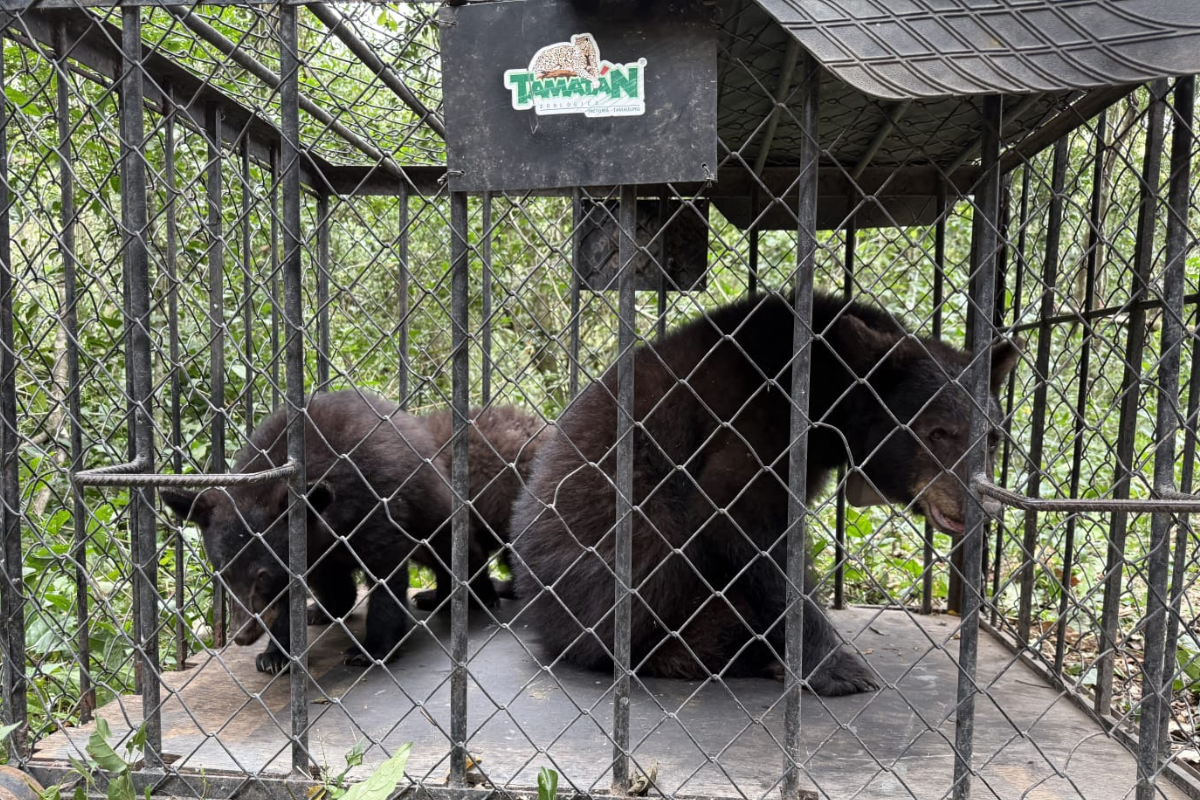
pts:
[910, 49]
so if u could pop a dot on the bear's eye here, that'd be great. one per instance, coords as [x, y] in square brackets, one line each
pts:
[938, 434]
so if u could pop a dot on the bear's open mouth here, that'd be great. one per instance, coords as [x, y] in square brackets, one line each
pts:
[945, 523]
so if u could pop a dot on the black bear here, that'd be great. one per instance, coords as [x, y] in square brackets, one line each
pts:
[502, 443]
[710, 470]
[374, 496]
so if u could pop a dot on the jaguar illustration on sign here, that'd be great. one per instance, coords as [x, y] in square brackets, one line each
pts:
[571, 78]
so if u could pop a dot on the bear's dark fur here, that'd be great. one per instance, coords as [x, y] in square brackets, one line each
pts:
[710, 476]
[371, 480]
[502, 442]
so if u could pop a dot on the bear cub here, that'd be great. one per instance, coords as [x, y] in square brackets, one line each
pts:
[502, 443]
[710, 473]
[374, 494]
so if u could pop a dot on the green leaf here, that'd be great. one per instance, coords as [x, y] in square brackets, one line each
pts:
[547, 783]
[384, 780]
[355, 757]
[101, 752]
[6, 730]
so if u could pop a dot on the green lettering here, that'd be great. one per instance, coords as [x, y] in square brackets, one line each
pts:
[558, 87]
[575, 87]
[521, 82]
[624, 82]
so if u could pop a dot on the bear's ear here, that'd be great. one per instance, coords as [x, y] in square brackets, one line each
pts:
[320, 496]
[188, 506]
[1005, 355]
[860, 345]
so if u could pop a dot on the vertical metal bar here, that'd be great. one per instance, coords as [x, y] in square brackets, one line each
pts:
[839, 536]
[983, 288]
[1183, 534]
[176, 399]
[939, 280]
[1143, 260]
[662, 268]
[626, 335]
[998, 319]
[247, 292]
[1095, 224]
[802, 337]
[275, 296]
[576, 268]
[1010, 400]
[1037, 434]
[460, 482]
[402, 288]
[12, 596]
[755, 202]
[486, 257]
[216, 328]
[322, 291]
[289, 101]
[70, 323]
[1156, 692]
[132, 509]
[133, 198]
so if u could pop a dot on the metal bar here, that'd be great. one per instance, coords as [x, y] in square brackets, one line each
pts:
[1143, 259]
[248, 286]
[1084, 380]
[333, 20]
[323, 341]
[240, 56]
[939, 281]
[626, 336]
[131, 475]
[402, 289]
[1037, 436]
[460, 267]
[14, 710]
[1010, 399]
[1156, 678]
[290, 160]
[275, 296]
[787, 68]
[895, 113]
[839, 536]
[982, 298]
[70, 323]
[216, 329]
[171, 265]
[576, 285]
[485, 254]
[802, 342]
[133, 198]
[755, 211]
[1184, 532]
[1169, 501]
[661, 327]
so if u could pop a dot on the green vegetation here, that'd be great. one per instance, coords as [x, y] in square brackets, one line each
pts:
[530, 326]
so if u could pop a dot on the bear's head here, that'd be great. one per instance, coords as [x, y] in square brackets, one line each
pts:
[245, 532]
[911, 412]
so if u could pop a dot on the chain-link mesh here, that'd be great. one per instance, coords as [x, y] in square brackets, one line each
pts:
[501, 321]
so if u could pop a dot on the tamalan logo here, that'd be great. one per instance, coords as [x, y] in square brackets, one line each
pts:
[571, 78]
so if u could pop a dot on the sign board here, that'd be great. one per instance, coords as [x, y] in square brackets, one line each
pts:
[543, 94]
[675, 239]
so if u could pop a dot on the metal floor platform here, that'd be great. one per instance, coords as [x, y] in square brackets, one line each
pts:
[707, 740]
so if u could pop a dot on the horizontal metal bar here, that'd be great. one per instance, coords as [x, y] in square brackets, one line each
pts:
[1098, 313]
[131, 475]
[1170, 501]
